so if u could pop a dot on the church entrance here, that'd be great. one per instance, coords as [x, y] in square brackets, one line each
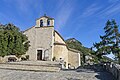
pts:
[39, 54]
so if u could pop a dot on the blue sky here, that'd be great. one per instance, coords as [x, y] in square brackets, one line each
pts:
[80, 19]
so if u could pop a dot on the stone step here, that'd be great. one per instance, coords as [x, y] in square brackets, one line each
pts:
[36, 63]
[30, 67]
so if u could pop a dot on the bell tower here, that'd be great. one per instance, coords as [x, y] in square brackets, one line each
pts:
[45, 21]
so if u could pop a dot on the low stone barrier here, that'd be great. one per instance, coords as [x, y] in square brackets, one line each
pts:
[40, 66]
[113, 68]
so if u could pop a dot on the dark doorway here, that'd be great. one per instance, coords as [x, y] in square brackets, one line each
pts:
[39, 54]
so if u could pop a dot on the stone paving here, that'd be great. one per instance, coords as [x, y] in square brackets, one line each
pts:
[81, 74]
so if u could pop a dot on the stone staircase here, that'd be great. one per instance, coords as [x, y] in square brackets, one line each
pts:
[43, 66]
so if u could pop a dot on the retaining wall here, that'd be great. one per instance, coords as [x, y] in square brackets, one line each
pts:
[114, 69]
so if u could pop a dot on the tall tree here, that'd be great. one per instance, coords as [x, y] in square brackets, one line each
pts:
[110, 41]
[116, 41]
[12, 41]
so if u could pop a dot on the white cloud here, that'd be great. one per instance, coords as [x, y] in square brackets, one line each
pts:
[115, 9]
[63, 15]
[90, 10]
[23, 5]
[94, 9]
[110, 10]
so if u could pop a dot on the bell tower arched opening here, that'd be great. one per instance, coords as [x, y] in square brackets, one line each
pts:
[41, 23]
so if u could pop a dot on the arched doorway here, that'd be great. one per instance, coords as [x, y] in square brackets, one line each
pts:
[46, 54]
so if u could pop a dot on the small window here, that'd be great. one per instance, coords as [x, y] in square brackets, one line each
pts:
[41, 23]
[48, 22]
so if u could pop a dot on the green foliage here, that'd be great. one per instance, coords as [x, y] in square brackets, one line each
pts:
[12, 41]
[110, 41]
[75, 44]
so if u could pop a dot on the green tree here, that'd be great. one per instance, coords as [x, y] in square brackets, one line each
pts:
[110, 41]
[12, 41]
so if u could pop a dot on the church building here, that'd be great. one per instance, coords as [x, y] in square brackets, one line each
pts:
[48, 45]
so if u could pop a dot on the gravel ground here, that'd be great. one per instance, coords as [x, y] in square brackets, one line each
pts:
[80, 74]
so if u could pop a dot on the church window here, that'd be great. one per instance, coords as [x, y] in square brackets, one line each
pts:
[41, 23]
[48, 22]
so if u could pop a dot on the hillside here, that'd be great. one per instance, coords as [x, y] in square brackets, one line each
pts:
[75, 44]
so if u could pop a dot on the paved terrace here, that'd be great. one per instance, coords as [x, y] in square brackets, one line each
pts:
[79, 74]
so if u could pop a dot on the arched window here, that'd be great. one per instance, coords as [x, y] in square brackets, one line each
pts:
[48, 22]
[41, 23]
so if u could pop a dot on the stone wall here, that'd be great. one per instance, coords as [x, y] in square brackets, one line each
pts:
[2, 60]
[114, 69]
[41, 38]
[5, 58]
[30, 33]
[60, 49]
[74, 59]
[58, 38]
[44, 40]
[61, 52]
[70, 56]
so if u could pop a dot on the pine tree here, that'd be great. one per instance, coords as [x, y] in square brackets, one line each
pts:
[110, 41]
[116, 41]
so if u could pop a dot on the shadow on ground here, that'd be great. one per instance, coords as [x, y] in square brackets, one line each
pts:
[102, 74]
